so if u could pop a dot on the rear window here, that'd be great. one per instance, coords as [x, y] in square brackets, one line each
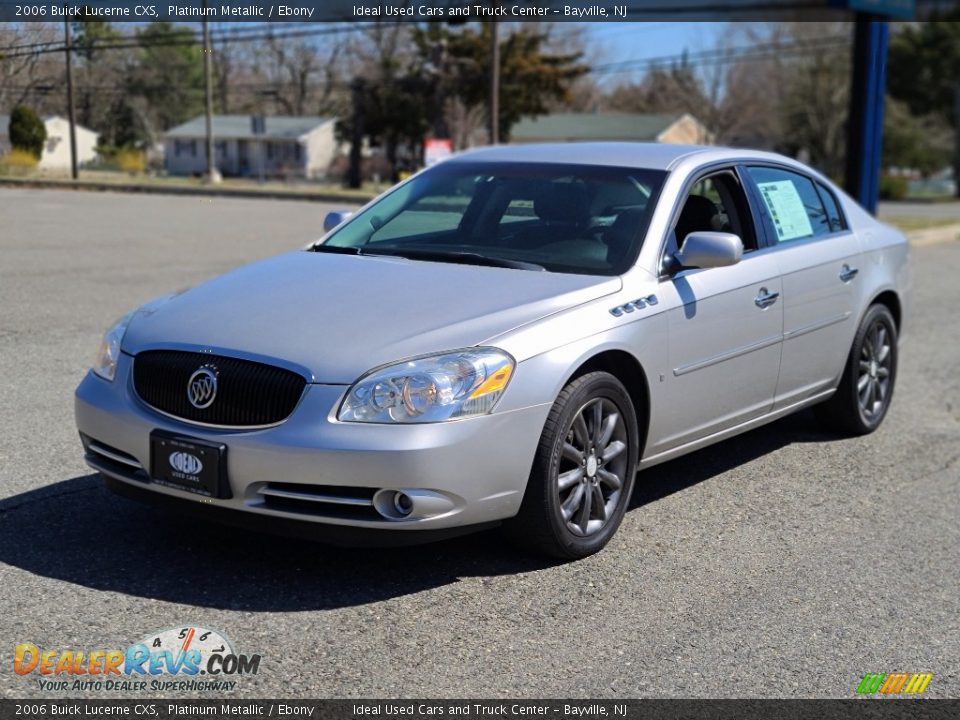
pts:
[837, 223]
[793, 205]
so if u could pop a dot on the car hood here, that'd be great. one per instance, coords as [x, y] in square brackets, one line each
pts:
[336, 316]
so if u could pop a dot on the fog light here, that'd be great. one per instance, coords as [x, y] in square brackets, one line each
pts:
[402, 503]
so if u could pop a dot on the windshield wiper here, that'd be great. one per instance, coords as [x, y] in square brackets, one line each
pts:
[337, 249]
[459, 256]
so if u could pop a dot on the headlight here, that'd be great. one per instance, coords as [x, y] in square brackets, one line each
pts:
[430, 389]
[105, 364]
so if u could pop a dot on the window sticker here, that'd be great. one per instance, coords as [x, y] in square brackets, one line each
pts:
[786, 209]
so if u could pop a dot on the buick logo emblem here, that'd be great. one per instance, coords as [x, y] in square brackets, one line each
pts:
[202, 387]
[186, 463]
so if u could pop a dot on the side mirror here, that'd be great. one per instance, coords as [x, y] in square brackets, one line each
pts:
[709, 249]
[334, 218]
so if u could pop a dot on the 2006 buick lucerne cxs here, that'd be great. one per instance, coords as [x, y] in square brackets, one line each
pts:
[505, 338]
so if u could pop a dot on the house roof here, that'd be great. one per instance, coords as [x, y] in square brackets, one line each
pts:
[594, 126]
[277, 127]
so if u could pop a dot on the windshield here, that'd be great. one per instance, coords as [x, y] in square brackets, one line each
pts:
[561, 218]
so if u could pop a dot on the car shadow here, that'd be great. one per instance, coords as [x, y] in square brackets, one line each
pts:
[660, 481]
[79, 532]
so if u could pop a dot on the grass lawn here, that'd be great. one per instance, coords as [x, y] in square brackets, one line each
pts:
[909, 224]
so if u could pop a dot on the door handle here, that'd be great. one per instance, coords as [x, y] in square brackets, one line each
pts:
[848, 273]
[765, 299]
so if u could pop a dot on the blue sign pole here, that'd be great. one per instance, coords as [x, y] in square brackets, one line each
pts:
[865, 124]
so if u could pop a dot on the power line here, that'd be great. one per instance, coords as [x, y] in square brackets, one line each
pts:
[183, 37]
[748, 54]
[724, 55]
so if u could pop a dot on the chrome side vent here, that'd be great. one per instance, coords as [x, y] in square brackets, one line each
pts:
[318, 500]
[111, 461]
[637, 304]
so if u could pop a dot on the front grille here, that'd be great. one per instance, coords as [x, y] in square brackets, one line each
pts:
[247, 393]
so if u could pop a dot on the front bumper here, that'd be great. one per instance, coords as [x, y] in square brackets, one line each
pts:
[478, 465]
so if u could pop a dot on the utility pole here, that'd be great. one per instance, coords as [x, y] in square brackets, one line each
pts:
[71, 113]
[356, 135]
[494, 83]
[213, 176]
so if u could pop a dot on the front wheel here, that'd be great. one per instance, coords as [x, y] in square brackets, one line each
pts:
[866, 388]
[583, 472]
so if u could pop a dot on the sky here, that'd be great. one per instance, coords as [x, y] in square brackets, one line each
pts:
[616, 42]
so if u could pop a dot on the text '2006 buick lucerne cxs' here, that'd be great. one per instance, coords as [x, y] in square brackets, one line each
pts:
[507, 338]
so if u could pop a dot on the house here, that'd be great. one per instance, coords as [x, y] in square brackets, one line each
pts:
[288, 146]
[578, 127]
[56, 151]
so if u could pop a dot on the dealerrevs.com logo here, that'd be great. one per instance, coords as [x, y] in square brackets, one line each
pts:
[894, 683]
[184, 658]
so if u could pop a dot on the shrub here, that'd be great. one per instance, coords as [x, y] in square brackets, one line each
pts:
[892, 187]
[18, 162]
[125, 159]
[27, 131]
[131, 161]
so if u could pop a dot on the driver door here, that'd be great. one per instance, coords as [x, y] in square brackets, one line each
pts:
[725, 323]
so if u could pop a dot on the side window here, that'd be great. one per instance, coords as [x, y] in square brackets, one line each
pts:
[715, 203]
[792, 202]
[834, 215]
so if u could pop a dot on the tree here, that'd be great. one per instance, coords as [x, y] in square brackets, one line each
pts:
[531, 76]
[918, 143]
[98, 71]
[124, 127]
[924, 72]
[168, 74]
[27, 131]
[300, 76]
[663, 90]
[394, 89]
[816, 105]
[29, 76]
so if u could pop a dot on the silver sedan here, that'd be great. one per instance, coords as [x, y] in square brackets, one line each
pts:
[506, 338]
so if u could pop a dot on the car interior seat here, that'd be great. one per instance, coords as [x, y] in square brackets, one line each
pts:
[699, 214]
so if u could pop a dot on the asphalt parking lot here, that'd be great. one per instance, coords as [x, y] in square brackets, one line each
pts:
[783, 563]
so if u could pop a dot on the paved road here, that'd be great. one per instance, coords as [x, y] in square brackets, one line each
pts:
[782, 563]
[906, 208]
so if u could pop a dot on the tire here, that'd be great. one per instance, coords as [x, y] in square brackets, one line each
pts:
[866, 387]
[573, 459]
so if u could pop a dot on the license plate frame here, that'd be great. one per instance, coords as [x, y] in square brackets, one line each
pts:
[173, 463]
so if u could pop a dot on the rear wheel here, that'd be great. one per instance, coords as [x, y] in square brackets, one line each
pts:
[583, 473]
[866, 388]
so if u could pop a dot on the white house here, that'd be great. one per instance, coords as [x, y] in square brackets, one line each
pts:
[289, 146]
[56, 151]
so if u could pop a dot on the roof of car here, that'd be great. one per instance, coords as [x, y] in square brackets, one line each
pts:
[654, 156]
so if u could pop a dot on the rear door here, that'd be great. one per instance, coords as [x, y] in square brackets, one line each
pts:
[819, 260]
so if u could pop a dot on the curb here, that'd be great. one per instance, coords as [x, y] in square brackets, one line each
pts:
[96, 186]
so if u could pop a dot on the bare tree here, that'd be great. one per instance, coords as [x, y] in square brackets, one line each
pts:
[301, 76]
[27, 76]
[467, 125]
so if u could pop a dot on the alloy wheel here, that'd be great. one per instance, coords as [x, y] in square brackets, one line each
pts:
[593, 466]
[873, 379]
